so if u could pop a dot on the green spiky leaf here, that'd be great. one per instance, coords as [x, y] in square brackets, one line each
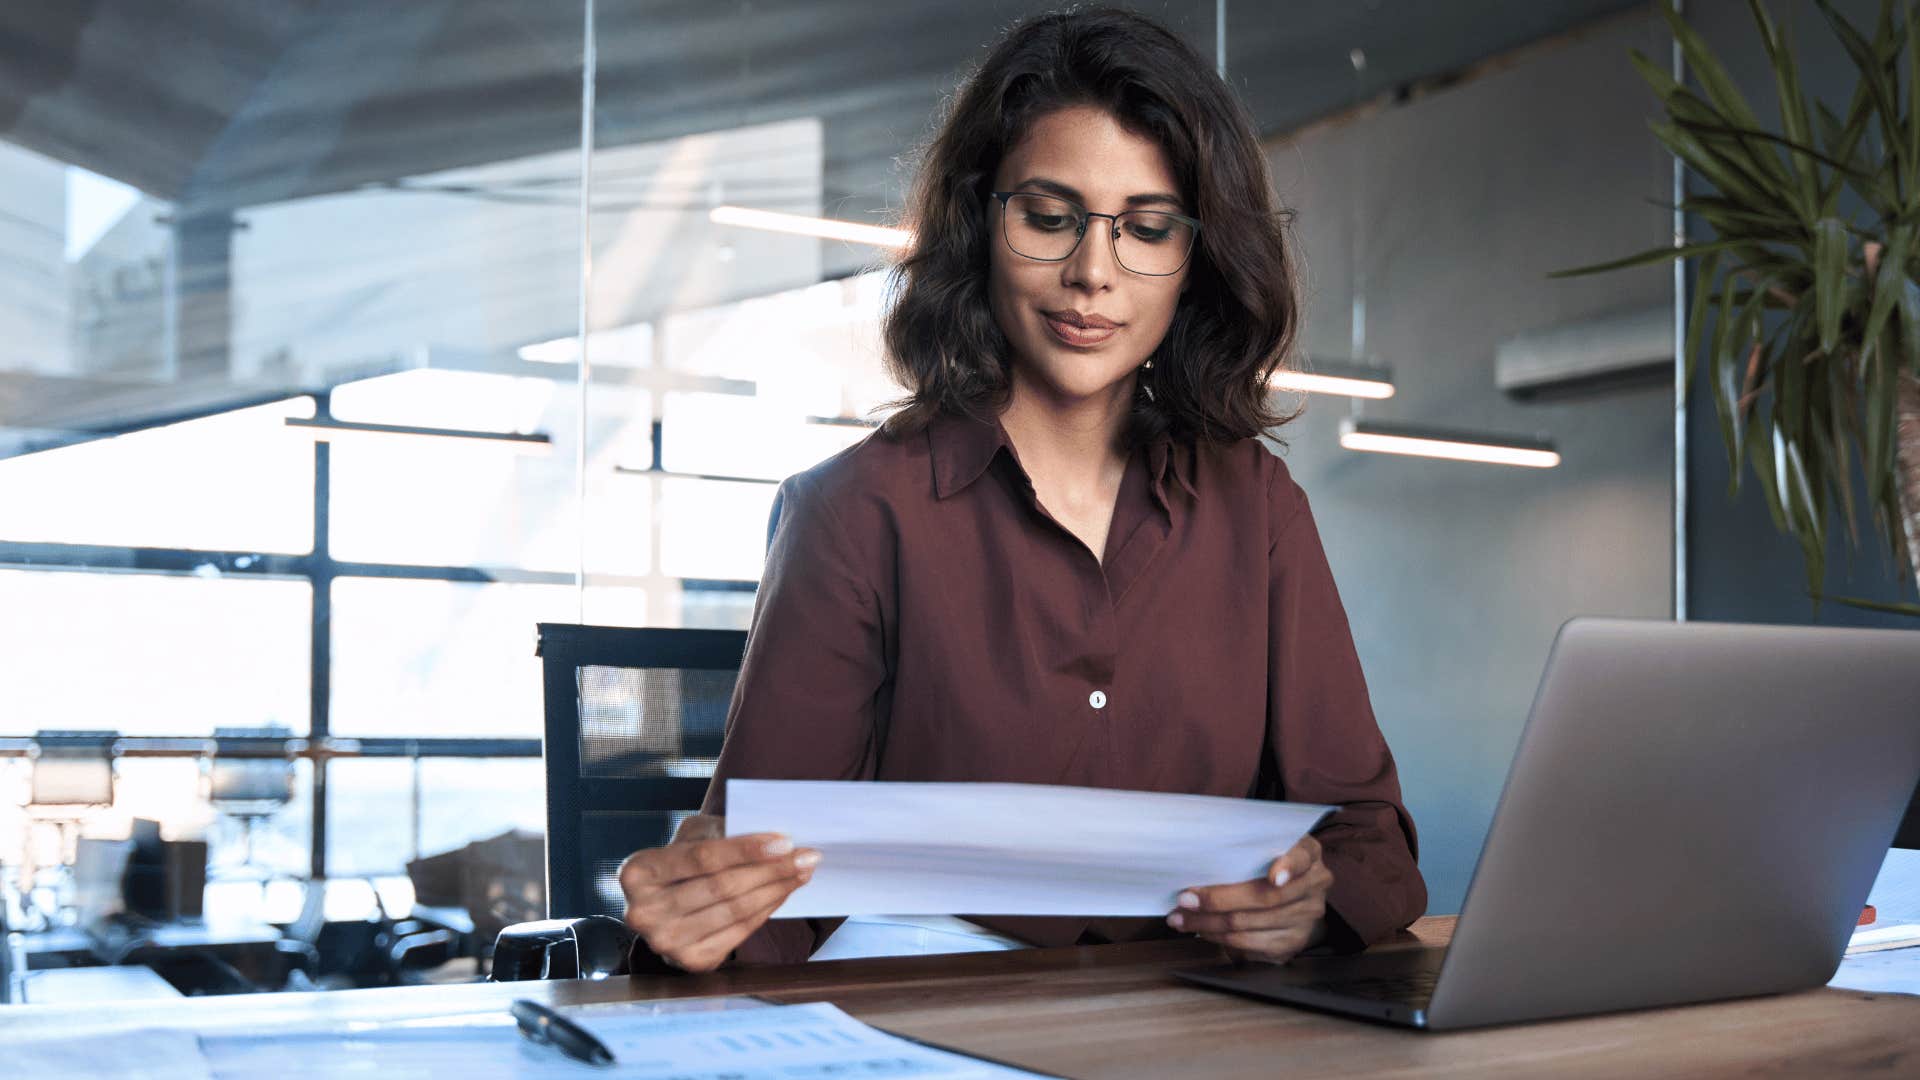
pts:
[1829, 278]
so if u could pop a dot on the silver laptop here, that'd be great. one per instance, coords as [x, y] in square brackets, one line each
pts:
[1696, 811]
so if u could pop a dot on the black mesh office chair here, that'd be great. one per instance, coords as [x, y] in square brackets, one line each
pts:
[634, 722]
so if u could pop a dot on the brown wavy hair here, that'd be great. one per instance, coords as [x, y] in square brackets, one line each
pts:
[1238, 318]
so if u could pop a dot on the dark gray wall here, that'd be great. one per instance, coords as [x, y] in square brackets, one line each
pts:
[1456, 576]
[1739, 567]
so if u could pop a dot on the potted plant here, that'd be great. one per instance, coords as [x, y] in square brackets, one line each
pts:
[1814, 359]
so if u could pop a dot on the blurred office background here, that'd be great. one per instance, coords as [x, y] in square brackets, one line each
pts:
[340, 343]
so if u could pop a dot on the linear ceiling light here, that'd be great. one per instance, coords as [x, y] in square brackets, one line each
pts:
[799, 225]
[564, 350]
[1371, 381]
[533, 445]
[1419, 441]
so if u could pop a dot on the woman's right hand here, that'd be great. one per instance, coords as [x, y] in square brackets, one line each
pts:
[696, 899]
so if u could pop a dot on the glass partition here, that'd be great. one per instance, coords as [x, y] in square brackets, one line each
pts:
[342, 343]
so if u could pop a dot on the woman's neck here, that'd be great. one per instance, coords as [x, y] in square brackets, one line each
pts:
[1072, 447]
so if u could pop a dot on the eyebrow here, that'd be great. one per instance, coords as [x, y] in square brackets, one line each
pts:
[1057, 188]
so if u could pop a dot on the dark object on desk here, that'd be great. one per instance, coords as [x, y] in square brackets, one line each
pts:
[634, 721]
[166, 879]
[1696, 812]
[593, 947]
[543, 1025]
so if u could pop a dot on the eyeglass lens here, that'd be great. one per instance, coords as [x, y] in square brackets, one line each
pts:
[1048, 228]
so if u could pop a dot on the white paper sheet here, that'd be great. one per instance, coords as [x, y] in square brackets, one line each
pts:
[777, 1043]
[1011, 849]
[132, 1055]
[710, 1039]
[1878, 938]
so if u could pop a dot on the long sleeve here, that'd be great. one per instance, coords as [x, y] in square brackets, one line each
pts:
[805, 704]
[1324, 743]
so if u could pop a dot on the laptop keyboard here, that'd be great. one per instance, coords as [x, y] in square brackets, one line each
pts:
[1414, 988]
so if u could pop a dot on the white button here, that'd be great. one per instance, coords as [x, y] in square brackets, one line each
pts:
[1097, 699]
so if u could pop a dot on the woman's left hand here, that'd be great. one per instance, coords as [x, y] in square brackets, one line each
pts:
[1271, 918]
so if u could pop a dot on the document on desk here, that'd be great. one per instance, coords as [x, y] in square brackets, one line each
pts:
[1011, 849]
[778, 1042]
[133, 1055]
[710, 1039]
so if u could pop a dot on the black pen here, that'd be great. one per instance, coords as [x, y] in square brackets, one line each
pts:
[543, 1025]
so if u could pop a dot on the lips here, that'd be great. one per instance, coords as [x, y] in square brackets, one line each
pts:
[1084, 321]
[1079, 330]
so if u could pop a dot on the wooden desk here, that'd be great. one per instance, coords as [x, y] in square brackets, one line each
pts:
[1115, 1011]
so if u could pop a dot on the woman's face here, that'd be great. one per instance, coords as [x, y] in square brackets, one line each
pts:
[1056, 314]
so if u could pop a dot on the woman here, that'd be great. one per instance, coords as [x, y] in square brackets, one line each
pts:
[1067, 559]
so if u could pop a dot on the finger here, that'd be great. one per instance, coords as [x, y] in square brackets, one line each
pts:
[1302, 912]
[740, 915]
[648, 908]
[1257, 894]
[1238, 896]
[700, 827]
[1299, 859]
[1315, 880]
[712, 951]
[656, 867]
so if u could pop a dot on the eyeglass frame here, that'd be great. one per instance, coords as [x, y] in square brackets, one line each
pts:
[1085, 219]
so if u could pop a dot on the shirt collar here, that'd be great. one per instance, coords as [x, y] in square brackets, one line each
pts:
[1166, 457]
[963, 446]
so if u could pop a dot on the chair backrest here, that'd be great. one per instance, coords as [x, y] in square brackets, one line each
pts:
[250, 786]
[72, 770]
[634, 721]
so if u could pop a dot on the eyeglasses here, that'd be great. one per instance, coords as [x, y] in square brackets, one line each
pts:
[1048, 228]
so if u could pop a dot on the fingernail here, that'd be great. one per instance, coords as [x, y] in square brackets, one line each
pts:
[807, 860]
[1189, 900]
[1176, 920]
[779, 845]
[1281, 877]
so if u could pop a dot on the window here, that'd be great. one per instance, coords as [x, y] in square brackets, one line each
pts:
[714, 528]
[151, 654]
[373, 829]
[235, 481]
[427, 501]
[729, 435]
[449, 659]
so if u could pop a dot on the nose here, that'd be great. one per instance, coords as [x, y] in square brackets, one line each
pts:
[1093, 264]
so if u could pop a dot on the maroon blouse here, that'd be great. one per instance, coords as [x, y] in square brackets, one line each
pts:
[922, 617]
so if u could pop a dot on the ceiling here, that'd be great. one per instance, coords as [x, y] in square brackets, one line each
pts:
[240, 102]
